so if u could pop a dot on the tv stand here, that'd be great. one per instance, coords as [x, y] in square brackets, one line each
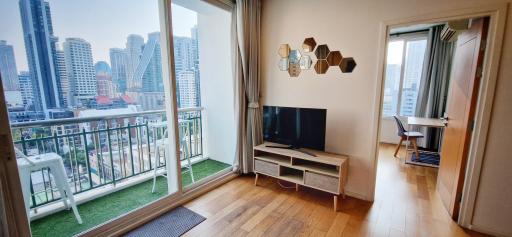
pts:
[322, 171]
[292, 148]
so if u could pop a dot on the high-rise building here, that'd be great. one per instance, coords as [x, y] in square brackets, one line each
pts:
[40, 45]
[186, 89]
[183, 53]
[187, 71]
[8, 68]
[149, 70]
[80, 70]
[391, 90]
[134, 47]
[104, 79]
[118, 63]
[194, 32]
[27, 91]
[102, 67]
[65, 95]
[105, 86]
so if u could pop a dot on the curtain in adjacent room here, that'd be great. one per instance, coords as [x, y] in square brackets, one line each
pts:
[434, 84]
[247, 85]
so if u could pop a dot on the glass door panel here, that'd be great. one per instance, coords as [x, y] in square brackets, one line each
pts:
[414, 60]
[86, 97]
[204, 89]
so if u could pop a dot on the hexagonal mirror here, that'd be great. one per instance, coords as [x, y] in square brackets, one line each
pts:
[283, 64]
[294, 69]
[321, 66]
[284, 50]
[309, 44]
[347, 65]
[334, 58]
[322, 51]
[305, 62]
[294, 56]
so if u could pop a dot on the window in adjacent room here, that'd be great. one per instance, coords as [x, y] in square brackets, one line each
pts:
[405, 59]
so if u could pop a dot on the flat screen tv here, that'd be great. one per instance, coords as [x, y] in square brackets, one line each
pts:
[295, 127]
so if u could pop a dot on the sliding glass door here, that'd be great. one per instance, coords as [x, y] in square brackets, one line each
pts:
[90, 101]
[204, 89]
[87, 91]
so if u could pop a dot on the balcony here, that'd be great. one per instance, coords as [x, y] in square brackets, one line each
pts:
[109, 162]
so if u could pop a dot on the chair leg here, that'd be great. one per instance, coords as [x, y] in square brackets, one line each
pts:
[157, 156]
[398, 146]
[415, 145]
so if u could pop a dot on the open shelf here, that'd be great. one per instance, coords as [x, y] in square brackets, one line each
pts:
[274, 158]
[317, 167]
[291, 174]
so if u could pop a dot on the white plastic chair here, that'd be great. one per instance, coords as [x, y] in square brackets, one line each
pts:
[159, 146]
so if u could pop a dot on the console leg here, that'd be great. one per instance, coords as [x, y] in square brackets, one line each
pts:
[296, 187]
[256, 180]
[336, 204]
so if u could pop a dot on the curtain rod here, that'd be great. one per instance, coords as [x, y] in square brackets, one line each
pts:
[409, 32]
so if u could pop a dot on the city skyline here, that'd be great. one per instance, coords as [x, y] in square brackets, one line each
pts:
[68, 18]
[63, 75]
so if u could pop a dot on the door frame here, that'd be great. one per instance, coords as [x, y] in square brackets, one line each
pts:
[10, 188]
[497, 14]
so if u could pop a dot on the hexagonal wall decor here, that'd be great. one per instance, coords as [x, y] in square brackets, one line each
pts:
[294, 70]
[321, 66]
[334, 58]
[284, 50]
[283, 64]
[309, 44]
[347, 65]
[294, 56]
[305, 62]
[322, 51]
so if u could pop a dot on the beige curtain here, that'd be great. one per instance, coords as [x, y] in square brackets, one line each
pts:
[247, 87]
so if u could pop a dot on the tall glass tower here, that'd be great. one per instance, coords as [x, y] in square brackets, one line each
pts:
[8, 67]
[40, 45]
[118, 63]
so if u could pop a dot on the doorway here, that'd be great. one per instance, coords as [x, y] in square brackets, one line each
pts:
[430, 92]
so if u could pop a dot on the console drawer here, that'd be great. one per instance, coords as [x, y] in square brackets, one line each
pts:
[324, 182]
[266, 167]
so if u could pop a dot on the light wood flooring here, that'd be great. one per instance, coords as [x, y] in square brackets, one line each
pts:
[406, 204]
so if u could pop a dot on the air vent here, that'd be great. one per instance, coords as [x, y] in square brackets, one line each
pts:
[453, 28]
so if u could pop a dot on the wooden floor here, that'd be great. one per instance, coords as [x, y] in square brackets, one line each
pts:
[406, 204]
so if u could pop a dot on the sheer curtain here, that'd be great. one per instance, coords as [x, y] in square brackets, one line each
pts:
[434, 84]
[248, 13]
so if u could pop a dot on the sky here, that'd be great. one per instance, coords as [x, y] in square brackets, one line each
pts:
[103, 23]
[395, 49]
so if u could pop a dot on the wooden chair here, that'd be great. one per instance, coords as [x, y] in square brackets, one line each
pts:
[403, 134]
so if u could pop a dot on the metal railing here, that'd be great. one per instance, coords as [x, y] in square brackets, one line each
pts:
[103, 150]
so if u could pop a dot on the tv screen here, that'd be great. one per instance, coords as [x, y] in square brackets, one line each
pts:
[296, 127]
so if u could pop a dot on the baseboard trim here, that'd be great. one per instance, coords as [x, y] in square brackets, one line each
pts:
[357, 195]
[488, 230]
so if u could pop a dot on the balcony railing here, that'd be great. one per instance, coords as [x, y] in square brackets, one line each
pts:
[99, 151]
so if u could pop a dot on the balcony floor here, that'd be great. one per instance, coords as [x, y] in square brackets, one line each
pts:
[105, 208]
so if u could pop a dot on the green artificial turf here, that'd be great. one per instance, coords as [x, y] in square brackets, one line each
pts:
[105, 208]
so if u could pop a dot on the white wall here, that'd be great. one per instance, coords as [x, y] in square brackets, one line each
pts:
[388, 130]
[353, 28]
[217, 93]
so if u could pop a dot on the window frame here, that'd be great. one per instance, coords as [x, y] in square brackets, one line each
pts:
[405, 37]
